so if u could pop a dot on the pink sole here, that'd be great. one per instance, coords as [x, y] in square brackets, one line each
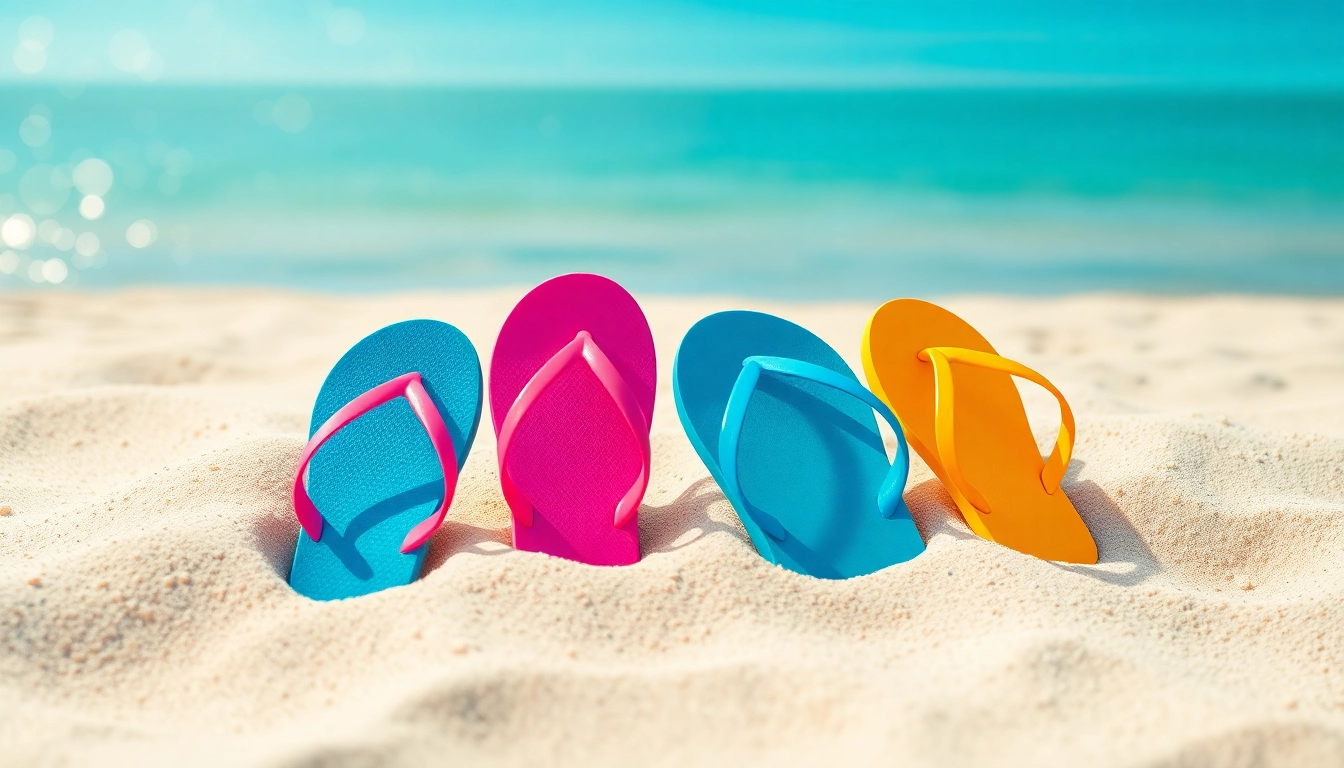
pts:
[573, 455]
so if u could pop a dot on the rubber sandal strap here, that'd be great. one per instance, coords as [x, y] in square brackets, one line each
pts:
[582, 347]
[942, 358]
[730, 435]
[409, 386]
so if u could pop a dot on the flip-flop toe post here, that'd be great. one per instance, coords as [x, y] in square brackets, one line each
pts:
[963, 414]
[790, 436]
[390, 430]
[572, 382]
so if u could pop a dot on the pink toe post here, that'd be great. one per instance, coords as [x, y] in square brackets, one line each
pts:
[407, 385]
[582, 347]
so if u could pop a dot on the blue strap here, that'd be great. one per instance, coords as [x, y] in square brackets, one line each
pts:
[889, 500]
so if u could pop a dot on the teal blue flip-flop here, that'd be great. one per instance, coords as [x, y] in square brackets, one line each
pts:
[788, 433]
[391, 428]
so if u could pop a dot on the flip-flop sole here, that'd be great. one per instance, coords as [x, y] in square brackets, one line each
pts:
[375, 479]
[810, 456]
[573, 455]
[995, 446]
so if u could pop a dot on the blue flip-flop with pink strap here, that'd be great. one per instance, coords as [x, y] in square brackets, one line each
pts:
[390, 430]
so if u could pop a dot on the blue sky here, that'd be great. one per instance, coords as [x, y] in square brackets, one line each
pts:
[1285, 44]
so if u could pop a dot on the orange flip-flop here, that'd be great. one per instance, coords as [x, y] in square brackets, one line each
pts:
[955, 397]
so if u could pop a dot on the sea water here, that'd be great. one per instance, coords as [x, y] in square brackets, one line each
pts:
[820, 194]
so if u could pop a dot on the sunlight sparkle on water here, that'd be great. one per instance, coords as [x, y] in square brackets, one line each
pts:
[93, 177]
[18, 231]
[142, 233]
[54, 271]
[87, 244]
[91, 207]
[35, 35]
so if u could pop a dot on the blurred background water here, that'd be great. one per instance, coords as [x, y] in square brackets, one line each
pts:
[816, 151]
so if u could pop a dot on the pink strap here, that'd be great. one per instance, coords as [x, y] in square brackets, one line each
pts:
[582, 346]
[407, 385]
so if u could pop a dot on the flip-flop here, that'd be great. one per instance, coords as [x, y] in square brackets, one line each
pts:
[572, 381]
[787, 431]
[394, 421]
[964, 416]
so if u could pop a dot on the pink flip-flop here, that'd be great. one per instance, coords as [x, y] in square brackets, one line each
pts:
[572, 382]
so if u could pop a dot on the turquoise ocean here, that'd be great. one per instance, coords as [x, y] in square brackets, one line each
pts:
[796, 194]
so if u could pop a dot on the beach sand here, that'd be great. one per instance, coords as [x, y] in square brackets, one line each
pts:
[148, 440]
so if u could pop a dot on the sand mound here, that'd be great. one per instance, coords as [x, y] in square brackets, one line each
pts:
[146, 446]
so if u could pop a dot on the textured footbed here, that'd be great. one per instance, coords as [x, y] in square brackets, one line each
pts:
[573, 455]
[810, 456]
[375, 479]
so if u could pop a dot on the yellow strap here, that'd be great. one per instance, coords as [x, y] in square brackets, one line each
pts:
[942, 357]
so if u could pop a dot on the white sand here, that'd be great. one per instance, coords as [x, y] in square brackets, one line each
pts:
[147, 441]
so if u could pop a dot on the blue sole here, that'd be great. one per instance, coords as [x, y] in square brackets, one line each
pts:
[810, 457]
[374, 480]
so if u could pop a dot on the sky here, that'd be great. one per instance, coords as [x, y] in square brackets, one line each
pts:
[1292, 44]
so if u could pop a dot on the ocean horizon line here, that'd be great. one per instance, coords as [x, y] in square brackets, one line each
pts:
[1101, 84]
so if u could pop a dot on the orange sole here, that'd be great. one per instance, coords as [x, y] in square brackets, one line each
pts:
[995, 448]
